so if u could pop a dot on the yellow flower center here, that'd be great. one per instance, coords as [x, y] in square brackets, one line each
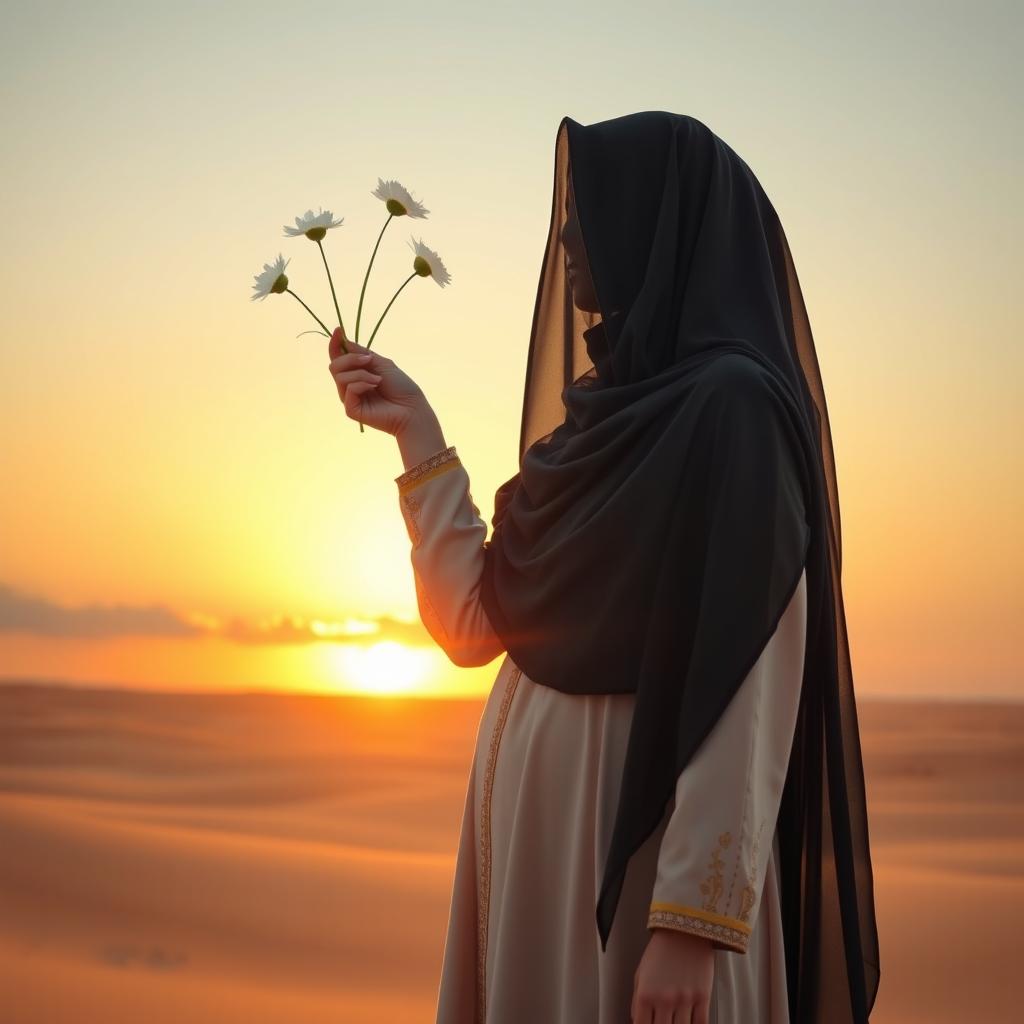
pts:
[395, 208]
[280, 284]
[421, 266]
[315, 234]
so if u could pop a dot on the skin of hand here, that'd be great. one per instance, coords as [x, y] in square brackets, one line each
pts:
[674, 977]
[372, 387]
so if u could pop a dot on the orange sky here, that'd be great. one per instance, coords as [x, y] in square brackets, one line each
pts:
[187, 504]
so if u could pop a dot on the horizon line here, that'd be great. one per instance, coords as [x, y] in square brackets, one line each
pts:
[13, 682]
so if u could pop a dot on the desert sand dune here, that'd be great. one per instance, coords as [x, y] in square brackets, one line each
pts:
[287, 858]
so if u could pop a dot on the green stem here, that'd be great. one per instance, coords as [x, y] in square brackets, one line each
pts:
[309, 311]
[330, 281]
[373, 255]
[388, 306]
[326, 332]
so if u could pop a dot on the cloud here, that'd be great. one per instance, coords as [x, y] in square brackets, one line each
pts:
[291, 630]
[25, 613]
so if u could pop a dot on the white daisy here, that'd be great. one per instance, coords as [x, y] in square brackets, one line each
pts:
[428, 264]
[398, 200]
[313, 225]
[272, 280]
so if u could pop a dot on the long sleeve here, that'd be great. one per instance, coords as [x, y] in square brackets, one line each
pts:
[715, 849]
[447, 555]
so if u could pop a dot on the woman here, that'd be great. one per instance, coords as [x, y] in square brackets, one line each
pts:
[671, 743]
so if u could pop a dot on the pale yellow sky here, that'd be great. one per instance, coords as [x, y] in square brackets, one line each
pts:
[171, 448]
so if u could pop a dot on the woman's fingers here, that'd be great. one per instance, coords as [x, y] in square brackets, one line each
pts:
[359, 356]
[334, 346]
[348, 376]
[354, 391]
[356, 348]
[349, 361]
[335, 349]
[348, 379]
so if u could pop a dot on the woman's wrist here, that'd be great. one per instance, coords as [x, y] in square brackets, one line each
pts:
[420, 437]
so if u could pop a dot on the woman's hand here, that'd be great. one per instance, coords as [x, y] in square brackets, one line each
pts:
[675, 976]
[371, 387]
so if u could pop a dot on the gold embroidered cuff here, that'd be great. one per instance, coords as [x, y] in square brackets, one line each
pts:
[725, 932]
[433, 465]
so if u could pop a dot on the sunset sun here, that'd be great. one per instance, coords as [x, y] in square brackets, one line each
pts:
[385, 668]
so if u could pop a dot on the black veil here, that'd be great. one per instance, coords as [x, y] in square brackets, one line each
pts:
[676, 478]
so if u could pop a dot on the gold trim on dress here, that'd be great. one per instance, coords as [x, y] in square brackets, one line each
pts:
[483, 900]
[431, 466]
[726, 931]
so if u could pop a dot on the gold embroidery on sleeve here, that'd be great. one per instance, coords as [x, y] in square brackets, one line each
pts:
[746, 902]
[431, 466]
[749, 893]
[483, 900]
[724, 931]
[712, 885]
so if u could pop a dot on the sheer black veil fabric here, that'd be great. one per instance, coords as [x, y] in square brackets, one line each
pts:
[676, 478]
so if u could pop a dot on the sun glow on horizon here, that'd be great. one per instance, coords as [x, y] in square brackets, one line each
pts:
[384, 669]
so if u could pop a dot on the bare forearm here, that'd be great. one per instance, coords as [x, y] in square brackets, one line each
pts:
[420, 437]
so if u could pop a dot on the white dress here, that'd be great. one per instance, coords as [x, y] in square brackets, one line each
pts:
[522, 944]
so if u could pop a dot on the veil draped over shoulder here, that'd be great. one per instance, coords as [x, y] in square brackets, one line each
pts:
[676, 477]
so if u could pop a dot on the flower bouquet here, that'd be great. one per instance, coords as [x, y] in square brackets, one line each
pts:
[426, 263]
